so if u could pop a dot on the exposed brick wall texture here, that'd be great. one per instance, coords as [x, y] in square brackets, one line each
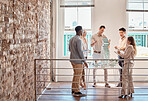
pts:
[24, 36]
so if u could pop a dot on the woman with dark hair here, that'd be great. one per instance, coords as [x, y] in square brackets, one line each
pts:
[127, 81]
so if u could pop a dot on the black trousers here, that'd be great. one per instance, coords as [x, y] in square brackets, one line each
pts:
[121, 64]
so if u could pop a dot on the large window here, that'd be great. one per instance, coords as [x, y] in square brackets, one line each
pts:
[74, 16]
[68, 35]
[141, 39]
[77, 16]
[138, 24]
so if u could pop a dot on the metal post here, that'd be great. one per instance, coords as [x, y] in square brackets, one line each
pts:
[51, 41]
[128, 79]
[86, 79]
[35, 78]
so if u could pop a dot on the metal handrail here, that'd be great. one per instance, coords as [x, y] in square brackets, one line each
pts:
[90, 75]
[96, 82]
[111, 67]
[92, 59]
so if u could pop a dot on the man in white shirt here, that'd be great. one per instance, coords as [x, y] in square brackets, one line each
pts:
[97, 43]
[121, 46]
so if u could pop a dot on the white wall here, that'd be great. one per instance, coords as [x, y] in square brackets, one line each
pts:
[112, 14]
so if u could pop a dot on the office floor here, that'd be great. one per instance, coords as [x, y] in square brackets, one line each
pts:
[100, 93]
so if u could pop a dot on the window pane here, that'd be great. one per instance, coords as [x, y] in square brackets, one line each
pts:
[68, 35]
[77, 2]
[136, 20]
[141, 42]
[84, 17]
[135, 0]
[78, 16]
[70, 18]
[135, 6]
[146, 20]
[145, 6]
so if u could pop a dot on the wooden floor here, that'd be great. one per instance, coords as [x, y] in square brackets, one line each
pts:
[100, 93]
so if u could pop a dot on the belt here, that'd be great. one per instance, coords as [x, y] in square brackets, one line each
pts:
[97, 52]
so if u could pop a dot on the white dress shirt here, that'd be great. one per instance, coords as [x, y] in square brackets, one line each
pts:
[122, 43]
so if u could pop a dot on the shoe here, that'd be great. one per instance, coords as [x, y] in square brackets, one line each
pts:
[125, 96]
[119, 85]
[94, 85]
[84, 87]
[131, 94]
[120, 96]
[107, 85]
[78, 94]
[72, 92]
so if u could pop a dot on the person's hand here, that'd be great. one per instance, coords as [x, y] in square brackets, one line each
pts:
[123, 49]
[108, 46]
[95, 42]
[116, 47]
[85, 64]
[109, 40]
[118, 52]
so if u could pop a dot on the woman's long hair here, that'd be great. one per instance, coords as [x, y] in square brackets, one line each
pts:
[133, 43]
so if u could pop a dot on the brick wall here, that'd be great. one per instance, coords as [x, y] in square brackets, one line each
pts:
[24, 35]
[42, 48]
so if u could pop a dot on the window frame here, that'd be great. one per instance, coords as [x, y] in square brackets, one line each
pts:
[63, 30]
[142, 30]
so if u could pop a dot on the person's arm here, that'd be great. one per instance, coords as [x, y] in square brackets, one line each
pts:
[79, 47]
[126, 53]
[70, 45]
[93, 42]
[80, 51]
[87, 44]
[104, 36]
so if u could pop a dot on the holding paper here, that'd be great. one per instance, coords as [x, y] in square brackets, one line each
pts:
[121, 47]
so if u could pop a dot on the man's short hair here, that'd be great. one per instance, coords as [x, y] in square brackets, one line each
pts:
[102, 27]
[122, 29]
[78, 28]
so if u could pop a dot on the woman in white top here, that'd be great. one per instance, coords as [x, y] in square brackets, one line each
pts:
[85, 44]
[127, 81]
[85, 51]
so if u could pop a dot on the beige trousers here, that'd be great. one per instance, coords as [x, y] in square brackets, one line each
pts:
[77, 68]
[82, 80]
[127, 80]
[105, 75]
